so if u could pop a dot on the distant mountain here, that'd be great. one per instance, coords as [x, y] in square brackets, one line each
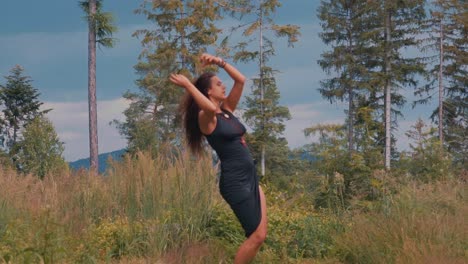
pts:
[84, 163]
[117, 156]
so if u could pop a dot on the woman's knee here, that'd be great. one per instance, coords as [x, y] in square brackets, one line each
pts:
[259, 236]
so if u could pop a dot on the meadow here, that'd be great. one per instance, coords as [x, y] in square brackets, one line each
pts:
[168, 210]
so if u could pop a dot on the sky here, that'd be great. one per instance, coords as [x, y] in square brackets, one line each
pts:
[49, 40]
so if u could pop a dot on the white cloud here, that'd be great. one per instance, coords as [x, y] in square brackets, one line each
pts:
[307, 115]
[71, 123]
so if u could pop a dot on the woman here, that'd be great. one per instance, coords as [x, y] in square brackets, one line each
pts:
[208, 114]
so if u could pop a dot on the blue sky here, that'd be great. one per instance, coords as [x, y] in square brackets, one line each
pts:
[48, 38]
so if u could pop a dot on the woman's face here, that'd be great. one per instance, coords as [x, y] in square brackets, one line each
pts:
[217, 89]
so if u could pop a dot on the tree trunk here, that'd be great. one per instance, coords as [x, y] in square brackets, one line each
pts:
[350, 121]
[388, 90]
[261, 89]
[350, 93]
[92, 105]
[441, 85]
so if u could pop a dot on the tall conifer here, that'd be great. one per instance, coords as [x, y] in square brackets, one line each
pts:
[20, 104]
[263, 110]
[447, 31]
[100, 30]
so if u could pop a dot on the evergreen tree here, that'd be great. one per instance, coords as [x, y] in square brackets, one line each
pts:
[456, 102]
[100, 30]
[345, 25]
[183, 30]
[447, 28]
[399, 23]
[268, 130]
[20, 103]
[335, 164]
[40, 151]
[263, 110]
[427, 160]
[367, 39]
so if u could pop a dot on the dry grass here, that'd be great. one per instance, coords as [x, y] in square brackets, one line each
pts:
[156, 211]
[168, 198]
[426, 224]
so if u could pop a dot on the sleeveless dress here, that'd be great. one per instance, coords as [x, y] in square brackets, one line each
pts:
[238, 182]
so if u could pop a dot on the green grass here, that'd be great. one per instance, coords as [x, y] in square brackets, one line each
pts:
[169, 210]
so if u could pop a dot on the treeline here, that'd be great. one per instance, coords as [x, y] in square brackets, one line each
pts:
[367, 64]
[376, 50]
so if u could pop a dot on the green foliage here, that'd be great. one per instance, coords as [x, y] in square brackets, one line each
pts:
[224, 225]
[264, 114]
[114, 239]
[104, 24]
[455, 129]
[295, 231]
[181, 32]
[40, 151]
[21, 243]
[343, 175]
[366, 60]
[266, 117]
[148, 210]
[447, 35]
[5, 160]
[20, 105]
[427, 161]
[262, 15]
[139, 128]
[348, 62]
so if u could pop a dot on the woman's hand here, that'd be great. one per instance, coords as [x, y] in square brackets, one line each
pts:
[207, 59]
[180, 80]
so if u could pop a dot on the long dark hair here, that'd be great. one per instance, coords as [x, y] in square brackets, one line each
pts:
[190, 111]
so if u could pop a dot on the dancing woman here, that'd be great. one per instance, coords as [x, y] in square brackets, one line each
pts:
[207, 113]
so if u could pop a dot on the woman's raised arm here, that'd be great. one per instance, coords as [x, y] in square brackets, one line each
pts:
[204, 103]
[239, 79]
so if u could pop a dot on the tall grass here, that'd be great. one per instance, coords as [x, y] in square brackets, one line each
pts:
[168, 210]
[426, 223]
[141, 207]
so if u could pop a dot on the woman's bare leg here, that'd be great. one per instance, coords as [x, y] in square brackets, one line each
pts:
[250, 247]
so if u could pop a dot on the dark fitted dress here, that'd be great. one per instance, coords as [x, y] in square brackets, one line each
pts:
[239, 182]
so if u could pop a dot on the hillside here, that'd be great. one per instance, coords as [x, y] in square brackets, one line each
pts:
[84, 163]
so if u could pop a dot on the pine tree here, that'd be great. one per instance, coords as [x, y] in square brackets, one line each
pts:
[267, 130]
[427, 160]
[20, 103]
[345, 24]
[266, 113]
[447, 30]
[399, 23]
[367, 39]
[100, 30]
[456, 101]
[182, 31]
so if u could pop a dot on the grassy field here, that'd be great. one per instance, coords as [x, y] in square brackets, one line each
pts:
[169, 210]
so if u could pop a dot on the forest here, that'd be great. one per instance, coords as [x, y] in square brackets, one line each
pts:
[348, 195]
